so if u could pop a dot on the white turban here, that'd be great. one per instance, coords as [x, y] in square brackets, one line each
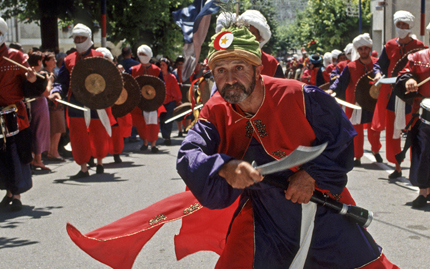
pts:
[222, 20]
[362, 40]
[348, 48]
[3, 26]
[106, 53]
[81, 30]
[145, 49]
[404, 16]
[335, 53]
[256, 19]
[327, 58]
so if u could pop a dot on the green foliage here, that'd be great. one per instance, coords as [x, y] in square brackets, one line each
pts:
[327, 22]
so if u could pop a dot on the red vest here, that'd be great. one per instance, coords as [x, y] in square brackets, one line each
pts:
[139, 70]
[395, 51]
[280, 124]
[270, 64]
[342, 65]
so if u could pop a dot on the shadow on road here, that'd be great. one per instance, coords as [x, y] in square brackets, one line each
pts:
[93, 178]
[14, 242]
[27, 211]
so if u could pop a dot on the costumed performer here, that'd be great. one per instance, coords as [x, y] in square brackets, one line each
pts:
[245, 121]
[145, 122]
[122, 127]
[86, 141]
[344, 85]
[416, 70]
[15, 152]
[390, 110]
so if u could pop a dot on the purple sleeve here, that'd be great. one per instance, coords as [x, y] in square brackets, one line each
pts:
[382, 64]
[61, 83]
[330, 125]
[340, 85]
[198, 164]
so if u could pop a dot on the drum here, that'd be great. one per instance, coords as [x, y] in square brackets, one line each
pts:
[8, 122]
[425, 111]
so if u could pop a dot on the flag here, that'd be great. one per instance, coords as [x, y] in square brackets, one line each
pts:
[194, 21]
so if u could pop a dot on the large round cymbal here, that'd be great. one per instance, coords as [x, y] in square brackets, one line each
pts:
[96, 82]
[362, 92]
[153, 91]
[129, 98]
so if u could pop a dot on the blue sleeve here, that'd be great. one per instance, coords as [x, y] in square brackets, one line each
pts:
[334, 74]
[61, 84]
[320, 78]
[330, 125]
[382, 64]
[340, 85]
[198, 164]
[129, 71]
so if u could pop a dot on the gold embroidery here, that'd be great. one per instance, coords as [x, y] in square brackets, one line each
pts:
[157, 219]
[261, 128]
[249, 129]
[279, 154]
[192, 208]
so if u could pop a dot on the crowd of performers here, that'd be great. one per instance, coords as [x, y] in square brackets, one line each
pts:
[233, 129]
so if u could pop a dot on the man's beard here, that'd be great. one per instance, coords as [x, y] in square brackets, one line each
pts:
[234, 97]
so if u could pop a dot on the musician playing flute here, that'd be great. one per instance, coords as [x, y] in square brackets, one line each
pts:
[416, 70]
[15, 150]
[86, 141]
[253, 117]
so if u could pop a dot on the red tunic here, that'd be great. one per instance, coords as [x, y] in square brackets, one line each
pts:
[11, 83]
[237, 132]
[330, 68]
[270, 64]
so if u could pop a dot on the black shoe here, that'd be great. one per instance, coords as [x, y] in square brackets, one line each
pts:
[91, 162]
[419, 202]
[180, 134]
[116, 158]
[378, 157]
[80, 175]
[144, 147]
[16, 205]
[395, 174]
[357, 162]
[167, 142]
[7, 200]
[100, 169]
[154, 149]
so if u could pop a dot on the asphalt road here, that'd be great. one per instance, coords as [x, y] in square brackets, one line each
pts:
[36, 237]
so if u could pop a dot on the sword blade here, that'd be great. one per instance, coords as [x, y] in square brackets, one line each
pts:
[387, 80]
[340, 101]
[71, 105]
[182, 114]
[298, 157]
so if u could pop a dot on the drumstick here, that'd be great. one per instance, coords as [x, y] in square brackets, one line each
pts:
[22, 66]
[71, 105]
[421, 83]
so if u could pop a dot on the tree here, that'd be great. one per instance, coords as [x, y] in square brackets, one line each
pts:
[137, 21]
[326, 22]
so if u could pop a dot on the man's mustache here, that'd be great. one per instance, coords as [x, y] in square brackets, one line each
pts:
[233, 86]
